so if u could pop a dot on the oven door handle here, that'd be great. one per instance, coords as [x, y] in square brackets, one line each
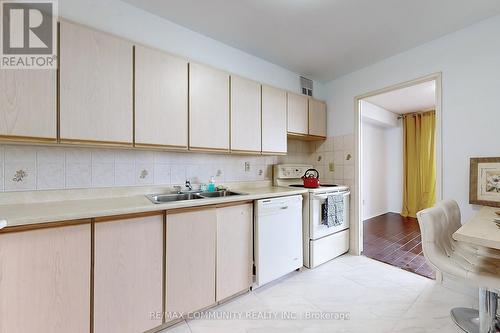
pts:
[324, 196]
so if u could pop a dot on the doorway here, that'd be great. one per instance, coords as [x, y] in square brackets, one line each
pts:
[398, 168]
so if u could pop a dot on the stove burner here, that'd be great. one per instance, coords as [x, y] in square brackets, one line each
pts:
[322, 185]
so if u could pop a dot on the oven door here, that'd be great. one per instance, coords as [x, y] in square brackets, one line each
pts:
[316, 215]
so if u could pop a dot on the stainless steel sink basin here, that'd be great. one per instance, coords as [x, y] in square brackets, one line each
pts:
[163, 198]
[219, 194]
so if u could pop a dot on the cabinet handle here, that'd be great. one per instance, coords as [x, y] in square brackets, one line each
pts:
[284, 207]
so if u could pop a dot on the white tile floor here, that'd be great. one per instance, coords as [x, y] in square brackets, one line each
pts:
[378, 298]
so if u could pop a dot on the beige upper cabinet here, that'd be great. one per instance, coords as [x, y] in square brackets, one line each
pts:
[128, 274]
[317, 118]
[28, 104]
[208, 108]
[245, 115]
[274, 127]
[234, 250]
[96, 86]
[190, 260]
[297, 114]
[161, 99]
[45, 280]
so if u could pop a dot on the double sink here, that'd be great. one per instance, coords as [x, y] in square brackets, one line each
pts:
[174, 197]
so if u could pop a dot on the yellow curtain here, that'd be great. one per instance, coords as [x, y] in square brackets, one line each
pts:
[419, 188]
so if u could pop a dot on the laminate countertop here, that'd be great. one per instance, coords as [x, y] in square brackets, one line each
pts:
[68, 210]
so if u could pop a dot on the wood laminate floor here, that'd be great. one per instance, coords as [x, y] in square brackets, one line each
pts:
[396, 240]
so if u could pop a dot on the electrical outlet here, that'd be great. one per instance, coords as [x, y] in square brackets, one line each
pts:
[331, 167]
[247, 166]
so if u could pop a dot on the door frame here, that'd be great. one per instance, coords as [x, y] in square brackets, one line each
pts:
[357, 234]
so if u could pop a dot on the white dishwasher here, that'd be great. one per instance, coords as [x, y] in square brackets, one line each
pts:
[278, 237]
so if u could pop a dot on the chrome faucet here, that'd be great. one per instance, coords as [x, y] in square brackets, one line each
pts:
[188, 185]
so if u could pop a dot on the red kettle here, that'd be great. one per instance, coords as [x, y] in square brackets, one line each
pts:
[311, 178]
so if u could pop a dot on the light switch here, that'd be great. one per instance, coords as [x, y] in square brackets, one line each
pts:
[331, 167]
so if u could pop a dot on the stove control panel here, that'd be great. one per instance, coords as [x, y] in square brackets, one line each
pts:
[290, 171]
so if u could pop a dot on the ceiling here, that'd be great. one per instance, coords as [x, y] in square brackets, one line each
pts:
[416, 98]
[322, 39]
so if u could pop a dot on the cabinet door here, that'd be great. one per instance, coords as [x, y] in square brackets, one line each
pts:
[317, 118]
[45, 280]
[274, 120]
[128, 274]
[245, 115]
[297, 114]
[161, 99]
[208, 108]
[95, 86]
[234, 250]
[28, 104]
[190, 260]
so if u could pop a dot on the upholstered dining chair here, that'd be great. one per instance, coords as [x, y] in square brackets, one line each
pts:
[452, 258]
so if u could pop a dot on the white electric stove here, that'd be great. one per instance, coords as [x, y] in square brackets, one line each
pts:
[321, 243]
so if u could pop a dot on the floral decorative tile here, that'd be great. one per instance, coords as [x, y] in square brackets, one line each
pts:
[20, 176]
[144, 173]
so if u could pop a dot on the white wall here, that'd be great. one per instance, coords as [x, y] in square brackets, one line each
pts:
[378, 115]
[124, 20]
[395, 169]
[382, 161]
[470, 62]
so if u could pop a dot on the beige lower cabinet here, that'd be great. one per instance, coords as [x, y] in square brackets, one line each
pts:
[128, 274]
[45, 280]
[190, 260]
[234, 250]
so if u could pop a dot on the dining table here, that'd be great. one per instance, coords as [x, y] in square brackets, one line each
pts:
[482, 231]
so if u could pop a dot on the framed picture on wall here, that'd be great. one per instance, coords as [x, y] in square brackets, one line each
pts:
[485, 181]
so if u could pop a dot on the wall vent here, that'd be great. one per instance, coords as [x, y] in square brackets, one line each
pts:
[306, 86]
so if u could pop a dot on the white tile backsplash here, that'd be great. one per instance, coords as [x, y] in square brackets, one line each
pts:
[177, 174]
[145, 156]
[124, 174]
[55, 167]
[102, 156]
[20, 154]
[78, 155]
[161, 174]
[335, 150]
[78, 175]
[103, 174]
[50, 175]
[125, 156]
